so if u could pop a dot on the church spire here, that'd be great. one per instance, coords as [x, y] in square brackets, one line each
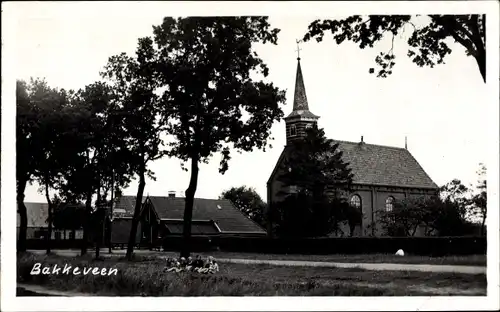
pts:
[300, 118]
[300, 98]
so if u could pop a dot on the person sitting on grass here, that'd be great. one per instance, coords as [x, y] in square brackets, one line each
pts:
[198, 263]
[189, 265]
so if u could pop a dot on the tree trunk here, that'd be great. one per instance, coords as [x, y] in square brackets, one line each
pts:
[97, 238]
[481, 61]
[137, 211]
[86, 219]
[110, 229]
[188, 209]
[49, 221]
[482, 224]
[21, 208]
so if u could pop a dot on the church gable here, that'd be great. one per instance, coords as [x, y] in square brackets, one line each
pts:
[384, 166]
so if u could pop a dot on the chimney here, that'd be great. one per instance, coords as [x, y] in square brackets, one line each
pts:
[406, 142]
[171, 194]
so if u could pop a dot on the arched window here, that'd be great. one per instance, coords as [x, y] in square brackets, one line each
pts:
[389, 202]
[356, 201]
[293, 130]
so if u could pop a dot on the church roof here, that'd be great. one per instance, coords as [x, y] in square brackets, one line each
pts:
[378, 165]
[384, 165]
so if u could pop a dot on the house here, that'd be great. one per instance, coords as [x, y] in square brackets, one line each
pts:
[37, 228]
[121, 220]
[162, 216]
[382, 174]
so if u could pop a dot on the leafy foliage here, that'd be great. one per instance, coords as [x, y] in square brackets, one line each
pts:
[302, 215]
[427, 43]
[317, 178]
[314, 165]
[479, 200]
[445, 215]
[135, 83]
[248, 201]
[27, 147]
[205, 66]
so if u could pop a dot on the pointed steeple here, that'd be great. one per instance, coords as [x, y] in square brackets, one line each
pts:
[300, 98]
[300, 118]
[300, 104]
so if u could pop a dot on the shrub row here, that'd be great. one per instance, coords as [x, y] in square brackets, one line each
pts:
[431, 246]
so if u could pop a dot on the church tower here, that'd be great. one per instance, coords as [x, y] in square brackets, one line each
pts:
[300, 118]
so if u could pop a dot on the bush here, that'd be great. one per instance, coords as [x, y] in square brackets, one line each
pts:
[198, 243]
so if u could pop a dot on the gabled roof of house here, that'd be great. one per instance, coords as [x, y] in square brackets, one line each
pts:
[124, 206]
[378, 165]
[228, 218]
[197, 227]
[37, 214]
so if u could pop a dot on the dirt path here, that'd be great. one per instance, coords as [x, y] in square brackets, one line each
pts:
[369, 266]
[43, 291]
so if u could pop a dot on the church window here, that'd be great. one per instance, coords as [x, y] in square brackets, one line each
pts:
[293, 189]
[356, 201]
[308, 126]
[389, 203]
[293, 130]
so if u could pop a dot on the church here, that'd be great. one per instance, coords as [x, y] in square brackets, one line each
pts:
[382, 174]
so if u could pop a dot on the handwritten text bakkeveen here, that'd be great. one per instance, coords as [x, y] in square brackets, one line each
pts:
[68, 269]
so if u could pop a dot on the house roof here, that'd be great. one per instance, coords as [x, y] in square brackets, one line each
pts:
[124, 206]
[197, 227]
[228, 218]
[37, 214]
[384, 165]
[378, 165]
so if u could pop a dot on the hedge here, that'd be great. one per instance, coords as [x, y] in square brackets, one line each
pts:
[428, 246]
[432, 246]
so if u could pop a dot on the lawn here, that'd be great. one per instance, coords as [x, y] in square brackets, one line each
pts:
[145, 277]
[473, 260]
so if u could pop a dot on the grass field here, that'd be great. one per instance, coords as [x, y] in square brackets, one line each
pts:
[475, 260]
[145, 277]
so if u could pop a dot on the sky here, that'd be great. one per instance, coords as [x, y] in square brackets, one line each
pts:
[440, 110]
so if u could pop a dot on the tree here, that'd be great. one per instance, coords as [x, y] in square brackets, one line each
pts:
[479, 200]
[248, 201]
[211, 97]
[27, 148]
[87, 120]
[427, 43]
[314, 168]
[407, 215]
[49, 158]
[439, 215]
[135, 82]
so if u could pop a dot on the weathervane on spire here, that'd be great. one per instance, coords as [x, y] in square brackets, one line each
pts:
[298, 49]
